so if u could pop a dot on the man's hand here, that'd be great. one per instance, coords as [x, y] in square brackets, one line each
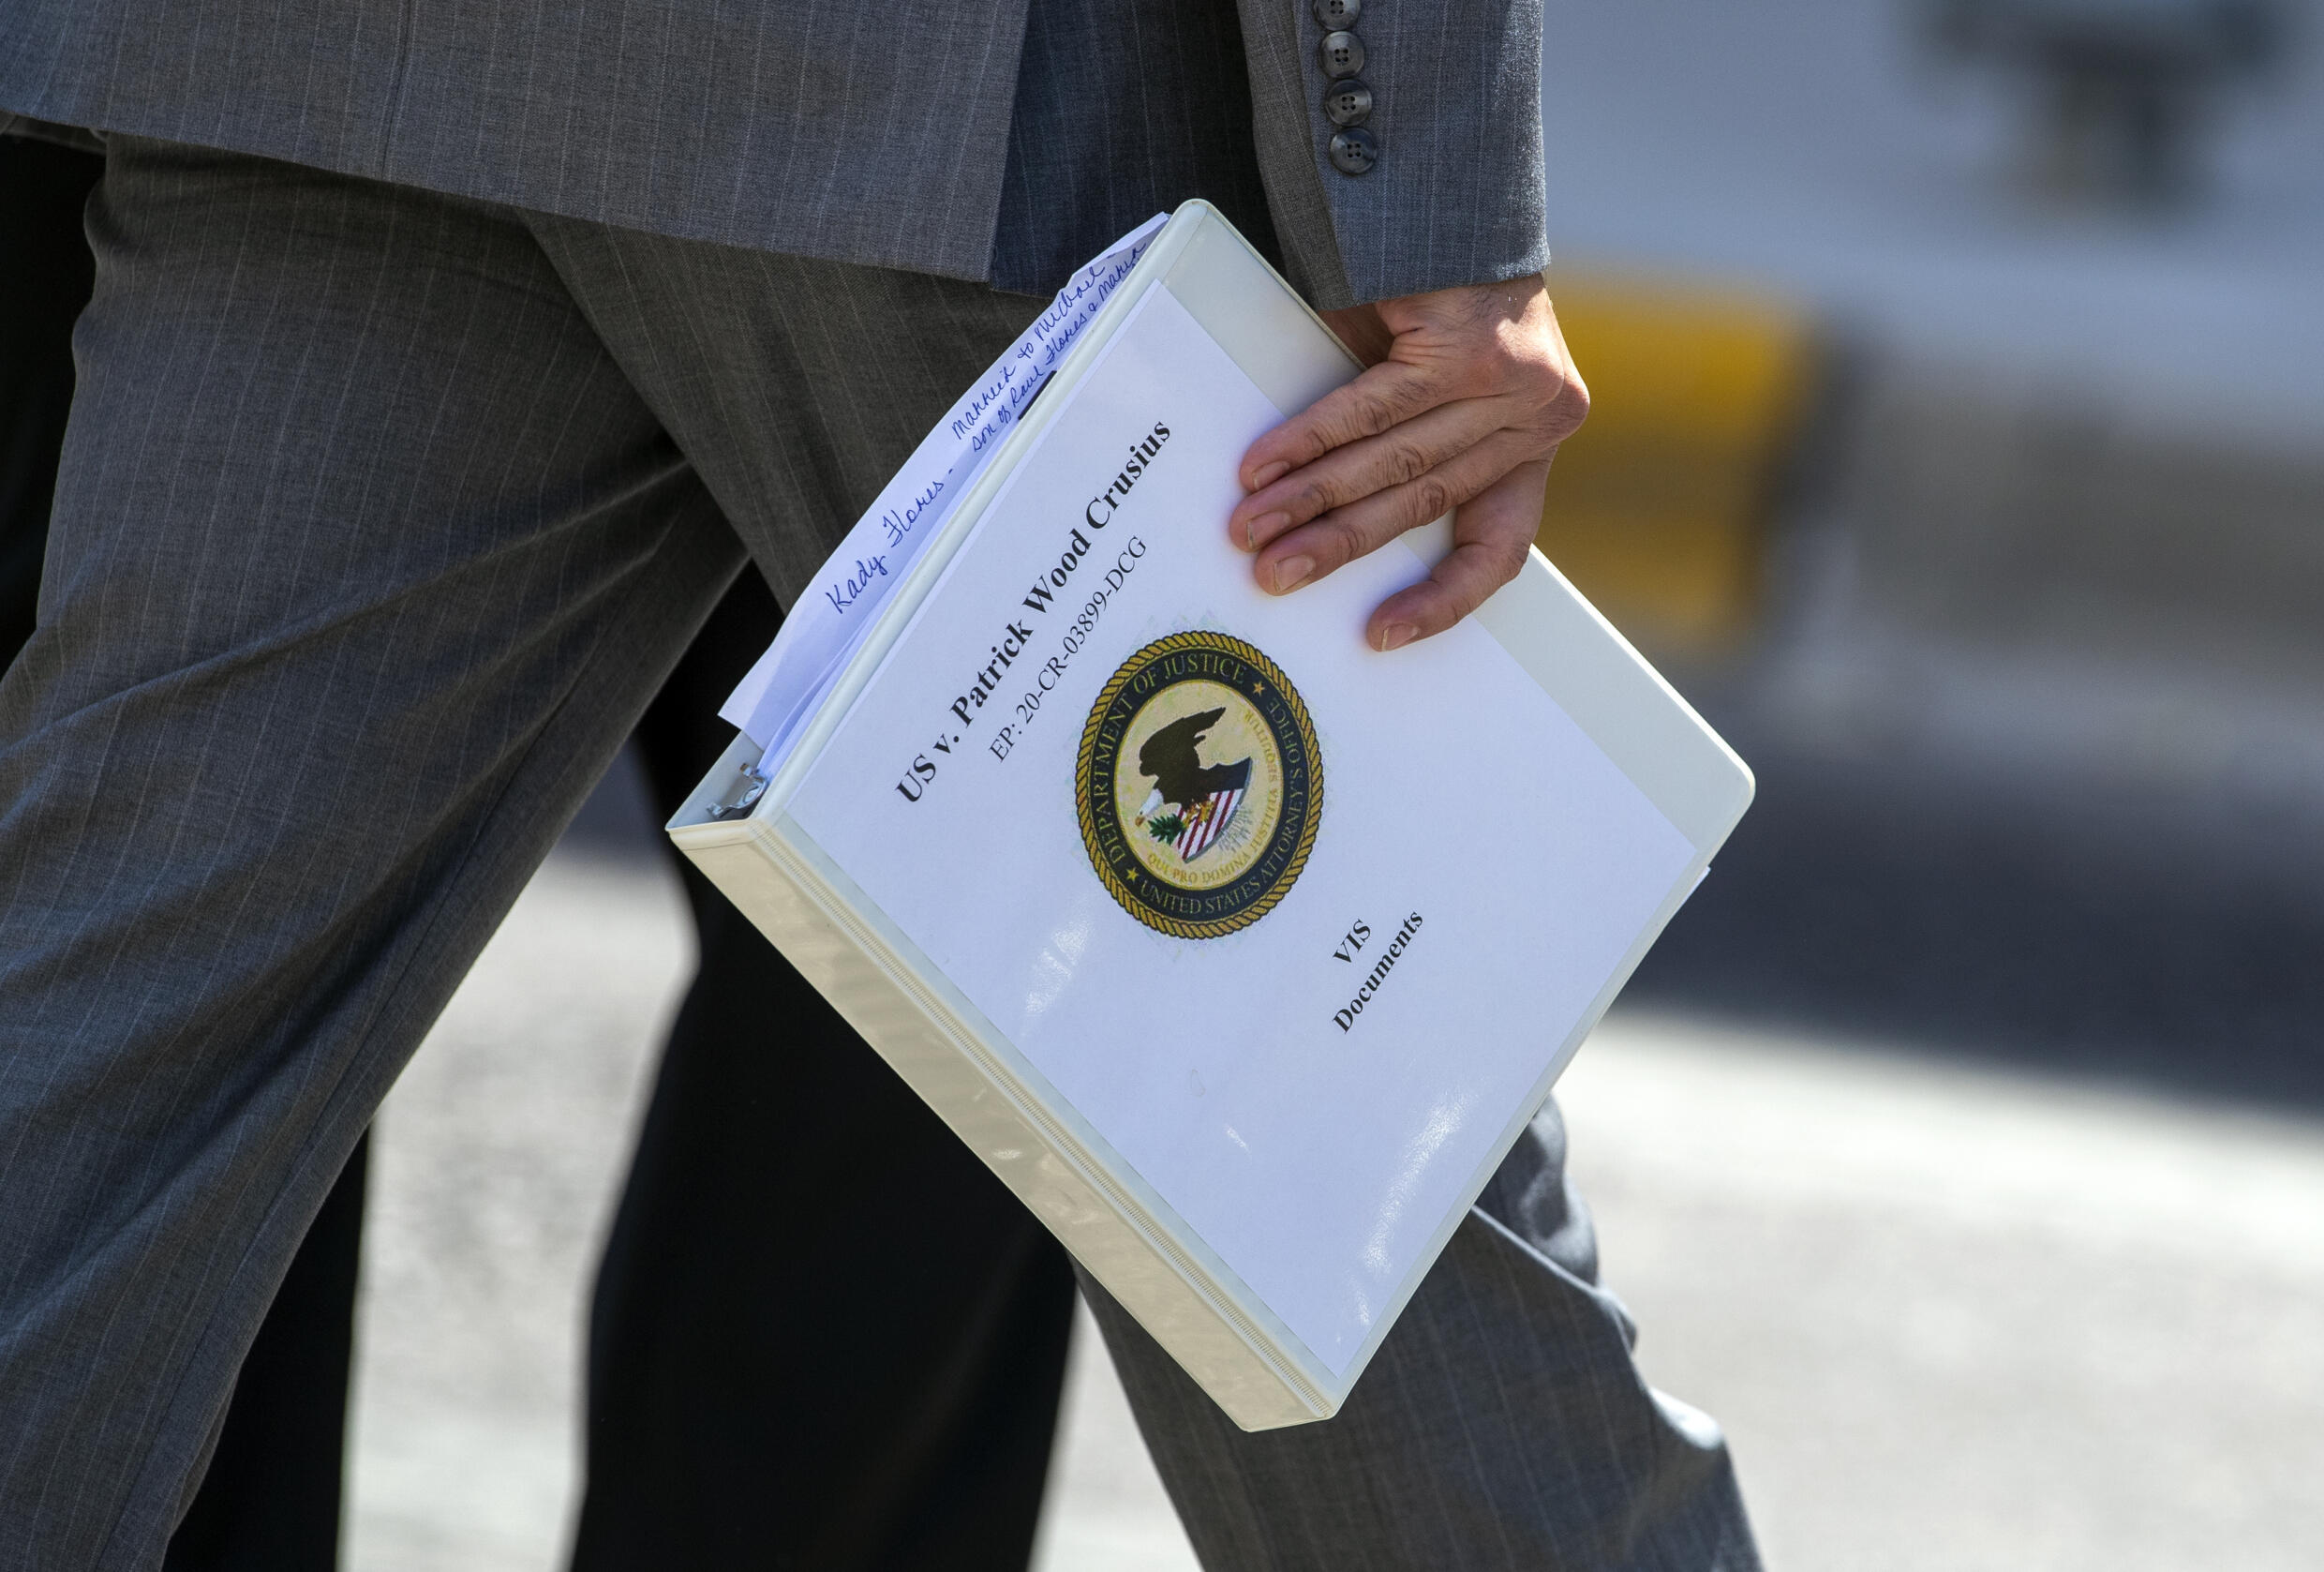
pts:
[1472, 392]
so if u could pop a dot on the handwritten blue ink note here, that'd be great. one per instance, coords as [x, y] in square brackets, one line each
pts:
[824, 629]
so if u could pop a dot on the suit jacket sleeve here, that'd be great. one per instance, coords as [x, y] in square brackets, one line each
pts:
[1456, 196]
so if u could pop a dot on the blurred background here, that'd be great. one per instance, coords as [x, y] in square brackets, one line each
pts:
[1959, 450]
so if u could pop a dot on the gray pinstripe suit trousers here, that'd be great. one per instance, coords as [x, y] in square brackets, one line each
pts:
[382, 515]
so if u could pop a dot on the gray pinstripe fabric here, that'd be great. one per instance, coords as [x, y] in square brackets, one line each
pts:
[367, 551]
[1501, 1427]
[1171, 120]
[1457, 196]
[856, 131]
[871, 131]
[383, 513]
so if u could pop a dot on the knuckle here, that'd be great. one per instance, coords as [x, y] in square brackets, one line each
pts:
[1316, 495]
[1455, 599]
[1334, 542]
[1370, 411]
[1569, 406]
[1433, 495]
[1406, 461]
[1503, 558]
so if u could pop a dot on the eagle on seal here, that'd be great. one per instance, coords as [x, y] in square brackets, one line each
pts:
[1172, 760]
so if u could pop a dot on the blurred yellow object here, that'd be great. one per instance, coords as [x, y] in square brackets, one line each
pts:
[1657, 508]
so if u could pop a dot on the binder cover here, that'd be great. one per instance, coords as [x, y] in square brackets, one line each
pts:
[1240, 953]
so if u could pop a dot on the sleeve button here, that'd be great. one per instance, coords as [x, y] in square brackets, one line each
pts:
[1343, 56]
[1354, 152]
[1347, 103]
[1336, 14]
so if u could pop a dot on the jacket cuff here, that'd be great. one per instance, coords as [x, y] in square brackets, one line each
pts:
[1454, 193]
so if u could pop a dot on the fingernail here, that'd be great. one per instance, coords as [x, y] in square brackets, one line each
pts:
[1395, 635]
[1259, 530]
[1269, 475]
[1291, 573]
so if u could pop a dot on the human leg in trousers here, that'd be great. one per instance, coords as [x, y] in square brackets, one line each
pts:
[363, 559]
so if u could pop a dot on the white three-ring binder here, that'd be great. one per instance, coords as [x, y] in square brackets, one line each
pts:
[1240, 951]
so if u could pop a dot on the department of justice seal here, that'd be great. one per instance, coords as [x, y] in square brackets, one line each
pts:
[1199, 785]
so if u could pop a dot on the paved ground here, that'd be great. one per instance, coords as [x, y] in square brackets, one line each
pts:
[1954, 1317]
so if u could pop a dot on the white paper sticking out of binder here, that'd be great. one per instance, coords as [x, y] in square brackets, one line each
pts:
[1240, 951]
